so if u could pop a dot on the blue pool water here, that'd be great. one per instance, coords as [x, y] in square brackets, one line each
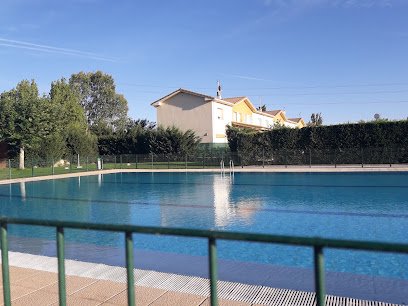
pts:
[359, 206]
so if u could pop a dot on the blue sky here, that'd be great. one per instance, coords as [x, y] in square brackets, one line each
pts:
[346, 59]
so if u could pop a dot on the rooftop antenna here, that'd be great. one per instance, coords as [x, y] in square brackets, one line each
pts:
[219, 90]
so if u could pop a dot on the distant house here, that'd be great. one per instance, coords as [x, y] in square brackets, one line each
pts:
[208, 116]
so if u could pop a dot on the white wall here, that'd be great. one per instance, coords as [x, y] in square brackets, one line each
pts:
[218, 125]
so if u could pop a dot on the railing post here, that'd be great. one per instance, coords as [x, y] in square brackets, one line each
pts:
[263, 157]
[32, 167]
[203, 159]
[5, 265]
[61, 266]
[186, 161]
[310, 158]
[362, 158]
[212, 258]
[152, 161]
[87, 162]
[319, 275]
[70, 164]
[129, 268]
[335, 158]
[121, 162]
[115, 161]
[136, 161]
[52, 165]
[9, 166]
[168, 162]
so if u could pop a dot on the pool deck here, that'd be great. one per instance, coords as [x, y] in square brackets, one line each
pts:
[269, 169]
[34, 281]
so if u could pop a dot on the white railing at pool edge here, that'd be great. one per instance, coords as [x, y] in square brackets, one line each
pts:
[231, 165]
[222, 167]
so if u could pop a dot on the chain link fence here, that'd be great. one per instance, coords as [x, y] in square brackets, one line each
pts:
[386, 157]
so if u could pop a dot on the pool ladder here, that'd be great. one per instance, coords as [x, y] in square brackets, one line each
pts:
[231, 167]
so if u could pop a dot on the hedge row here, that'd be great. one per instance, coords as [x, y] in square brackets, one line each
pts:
[377, 142]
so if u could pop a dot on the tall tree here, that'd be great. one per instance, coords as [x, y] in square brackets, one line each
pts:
[316, 119]
[97, 95]
[25, 118]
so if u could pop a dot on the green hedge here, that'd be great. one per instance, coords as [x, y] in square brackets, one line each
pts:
[374, 142]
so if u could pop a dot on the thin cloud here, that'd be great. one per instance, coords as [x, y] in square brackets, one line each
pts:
[51, 49]
[249, 78]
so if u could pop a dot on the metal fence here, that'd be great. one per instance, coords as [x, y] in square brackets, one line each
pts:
[9, 168]
[318, 245]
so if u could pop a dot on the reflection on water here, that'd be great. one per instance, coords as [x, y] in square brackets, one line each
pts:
[227, 211]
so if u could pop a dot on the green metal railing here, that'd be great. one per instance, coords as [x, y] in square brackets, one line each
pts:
[317, 243]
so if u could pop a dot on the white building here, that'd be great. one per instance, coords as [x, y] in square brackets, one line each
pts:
[208, 116]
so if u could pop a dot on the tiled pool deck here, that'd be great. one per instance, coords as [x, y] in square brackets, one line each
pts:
[34, 279]
[98, 284]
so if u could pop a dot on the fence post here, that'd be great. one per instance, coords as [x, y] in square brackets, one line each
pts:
[286, 159]
[115, 161]
[9, 166]
[186, 161]
[87, 162]
[61, 266]
[203, 159]
[5, 265]
[389, 155]
[362, 158]
[32, 167]
[70, 164]
[152, 161]
[120, 161]
[310, 158]
[52, 165]
[319, 275]
[335, 158]
[212, 258]
[129, 268]
[168, 161]
[263, 157]
[136, 161]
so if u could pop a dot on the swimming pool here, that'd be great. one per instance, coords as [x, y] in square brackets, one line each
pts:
[359, 206]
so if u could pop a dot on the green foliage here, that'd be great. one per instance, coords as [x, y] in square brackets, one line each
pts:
[172, 140]
[324, 139]
[80, 142]
[132, 138]
[98, 97]
[316, 119]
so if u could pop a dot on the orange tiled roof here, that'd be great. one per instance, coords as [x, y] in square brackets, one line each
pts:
[295, 119]
[273, 112]
[234, 100]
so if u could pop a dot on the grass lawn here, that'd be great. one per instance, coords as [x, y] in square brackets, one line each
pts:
[41, 171]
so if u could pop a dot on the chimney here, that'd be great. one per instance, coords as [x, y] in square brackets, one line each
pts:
[219, 90]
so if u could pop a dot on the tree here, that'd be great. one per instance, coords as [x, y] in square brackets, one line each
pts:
[25, 118]
[172, 140]
[316, 119]
[97, 95]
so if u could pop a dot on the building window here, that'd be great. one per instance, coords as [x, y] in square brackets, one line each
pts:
[234, 116]
[248, 119]
[220, 114]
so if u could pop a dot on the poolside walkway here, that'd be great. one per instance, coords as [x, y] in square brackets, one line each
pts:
[276, 169]
[98, 284]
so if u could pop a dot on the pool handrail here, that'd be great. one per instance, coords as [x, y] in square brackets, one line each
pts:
[212, 235]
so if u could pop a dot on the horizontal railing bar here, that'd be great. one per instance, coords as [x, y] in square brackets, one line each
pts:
[291, 240]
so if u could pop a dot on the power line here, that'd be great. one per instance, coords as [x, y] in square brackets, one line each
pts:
[273, 88]
[334, 103]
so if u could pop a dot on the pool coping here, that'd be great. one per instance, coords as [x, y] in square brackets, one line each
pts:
[247, 169]
[189, 286]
